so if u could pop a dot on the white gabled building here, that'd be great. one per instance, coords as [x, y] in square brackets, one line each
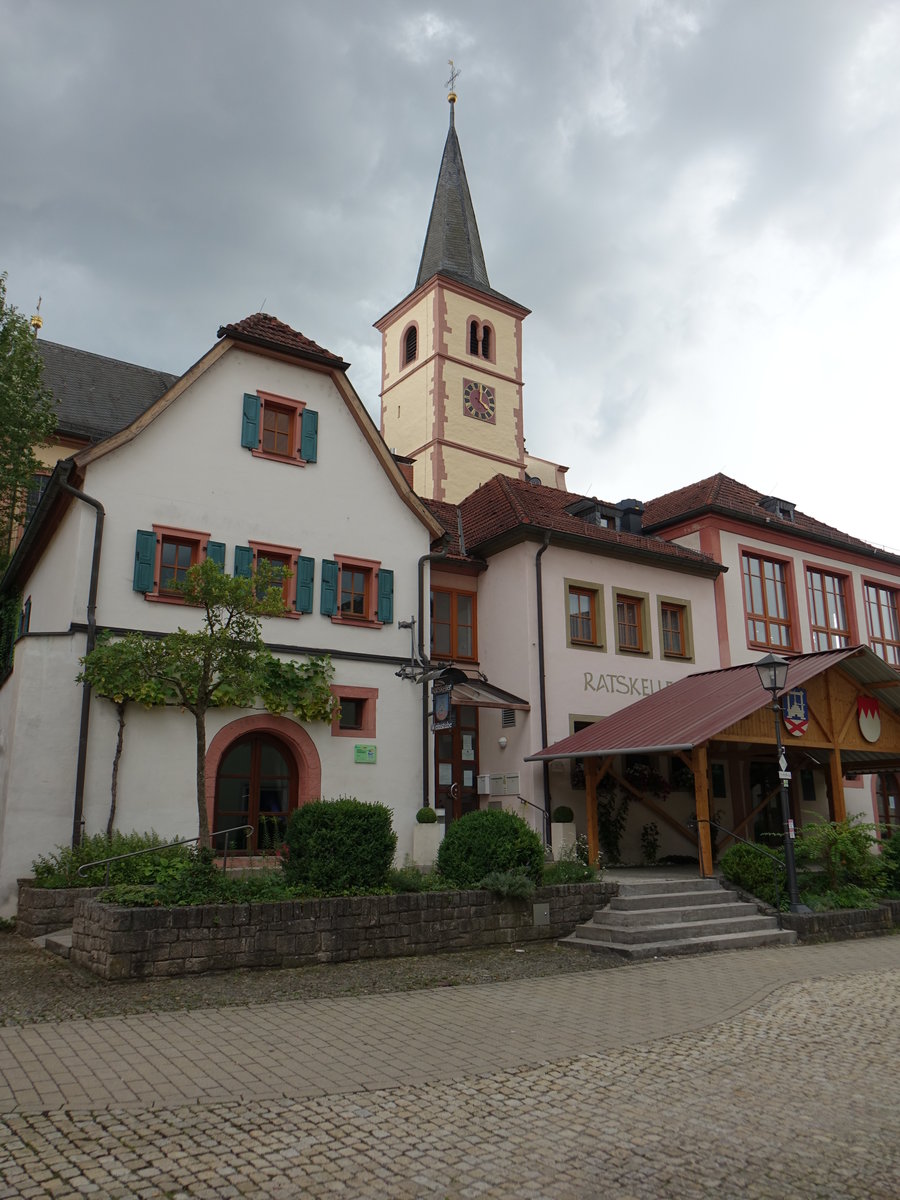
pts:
[262, 450]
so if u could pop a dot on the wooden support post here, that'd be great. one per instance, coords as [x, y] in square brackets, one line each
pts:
[701, 799]
[838, 803]
[591, 779]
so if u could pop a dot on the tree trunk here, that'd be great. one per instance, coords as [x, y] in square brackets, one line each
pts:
[203, 819]
[114, 786]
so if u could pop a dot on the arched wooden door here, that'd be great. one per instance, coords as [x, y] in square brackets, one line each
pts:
[256, 784]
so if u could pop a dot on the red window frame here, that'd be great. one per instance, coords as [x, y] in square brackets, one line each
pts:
[363, 700]
[171, 535]
[289, 413]
[455, 626]
[767, 618]
[280, 555]
[367, 569]
[880, 597]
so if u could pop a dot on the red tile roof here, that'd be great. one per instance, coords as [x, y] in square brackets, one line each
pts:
[505, 507]
[260, 329]
[721, 494]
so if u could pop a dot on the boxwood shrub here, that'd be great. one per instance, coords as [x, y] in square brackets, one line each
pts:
[490, 840]
[754, 872]
[338, 846]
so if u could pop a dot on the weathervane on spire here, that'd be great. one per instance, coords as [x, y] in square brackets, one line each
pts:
[451, 82]
[37, 320]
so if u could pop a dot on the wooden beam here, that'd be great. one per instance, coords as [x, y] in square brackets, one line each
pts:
[701, 800]
[838, 803]
[592, 776]
[667, 817]
[762, 804]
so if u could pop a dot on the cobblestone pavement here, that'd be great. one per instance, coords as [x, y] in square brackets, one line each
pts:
[761, 1074]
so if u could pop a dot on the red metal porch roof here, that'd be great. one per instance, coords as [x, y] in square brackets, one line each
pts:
[693, 710]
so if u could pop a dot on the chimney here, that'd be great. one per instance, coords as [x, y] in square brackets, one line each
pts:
[631, 520]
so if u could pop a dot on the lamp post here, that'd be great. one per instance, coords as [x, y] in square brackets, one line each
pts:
[772, 673]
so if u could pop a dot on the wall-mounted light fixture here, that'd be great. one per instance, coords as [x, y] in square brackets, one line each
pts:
[501, 742]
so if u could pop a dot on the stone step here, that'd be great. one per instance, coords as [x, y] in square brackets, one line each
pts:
[728, 907]
[673, 932]
[647, 887]
[688, 945]
[655, 900]
[59, 942]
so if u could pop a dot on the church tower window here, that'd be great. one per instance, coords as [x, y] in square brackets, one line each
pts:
[410, 345]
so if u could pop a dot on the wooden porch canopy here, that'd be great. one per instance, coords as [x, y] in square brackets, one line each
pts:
[730, 705]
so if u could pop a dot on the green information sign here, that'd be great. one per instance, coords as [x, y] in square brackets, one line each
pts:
[364, 754]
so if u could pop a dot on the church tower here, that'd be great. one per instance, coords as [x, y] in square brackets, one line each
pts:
[451, 361]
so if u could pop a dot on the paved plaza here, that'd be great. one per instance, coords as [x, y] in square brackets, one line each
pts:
[759, 1073]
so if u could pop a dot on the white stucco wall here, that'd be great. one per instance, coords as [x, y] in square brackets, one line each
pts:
[187, 469]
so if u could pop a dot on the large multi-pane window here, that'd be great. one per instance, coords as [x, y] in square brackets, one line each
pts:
[582, 616]
[176, 557]
[766, 602]
[883, 618]
[452, 624]
[629, 623]
[827, 610]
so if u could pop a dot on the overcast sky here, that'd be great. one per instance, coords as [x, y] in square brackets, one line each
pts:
[698, 199]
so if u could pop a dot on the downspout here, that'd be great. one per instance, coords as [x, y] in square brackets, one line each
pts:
[436, 556]
[90, 642]
[545, 766]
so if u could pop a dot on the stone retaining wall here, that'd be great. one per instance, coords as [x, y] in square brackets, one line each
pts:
[125, 943]
[44, 910]
[840, 925]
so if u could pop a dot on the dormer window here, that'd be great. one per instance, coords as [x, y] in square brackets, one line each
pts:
[779, 508]
[410, 345]
[480, 339]
[594, 512]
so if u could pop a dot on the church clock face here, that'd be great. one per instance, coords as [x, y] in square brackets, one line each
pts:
[479, 401]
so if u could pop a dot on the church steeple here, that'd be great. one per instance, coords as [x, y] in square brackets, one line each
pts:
[452, 245]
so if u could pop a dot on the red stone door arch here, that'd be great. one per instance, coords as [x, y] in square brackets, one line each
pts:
[255, 764]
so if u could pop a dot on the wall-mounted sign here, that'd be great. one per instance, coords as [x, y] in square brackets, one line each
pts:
[795, 710]
[364, 754]
[869, 718]
[441, 708]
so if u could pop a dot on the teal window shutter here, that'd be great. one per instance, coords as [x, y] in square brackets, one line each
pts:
[385, 596]
[216, 551]
[144, 560]
[306, 570]
[309, 435]
[328, 593]
[250, 426]
[243, 562]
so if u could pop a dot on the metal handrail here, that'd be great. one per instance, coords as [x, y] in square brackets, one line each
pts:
[543, 813]
[762, 850]
[165, 846]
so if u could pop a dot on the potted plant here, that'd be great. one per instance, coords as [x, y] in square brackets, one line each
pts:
[426, 837]
[562, 830]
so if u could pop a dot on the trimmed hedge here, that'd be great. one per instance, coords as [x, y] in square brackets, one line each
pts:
[746, 867]
[339, 846]
[490, 840]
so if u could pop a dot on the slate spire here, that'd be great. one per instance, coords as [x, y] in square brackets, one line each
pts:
[452, 245]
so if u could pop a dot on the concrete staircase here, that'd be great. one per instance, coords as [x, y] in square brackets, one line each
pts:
[655, 918]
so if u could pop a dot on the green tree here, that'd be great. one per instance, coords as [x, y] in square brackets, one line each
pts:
[120, 672]
[27, 418]
[224, 663]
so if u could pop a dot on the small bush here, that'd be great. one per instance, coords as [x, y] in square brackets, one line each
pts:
[568, 870]
[339, 846]
[849, 896]
[833, 855]
[754, 872]
[60, 869]
[410, 878]
[562, 814]
[490, 840]
[426, 816]
[509, 885]
[890, 858]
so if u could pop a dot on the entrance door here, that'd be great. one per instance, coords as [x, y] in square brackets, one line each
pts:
[255, 785]
[456, 764]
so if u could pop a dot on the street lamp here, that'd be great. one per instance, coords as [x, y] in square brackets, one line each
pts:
[773, 674]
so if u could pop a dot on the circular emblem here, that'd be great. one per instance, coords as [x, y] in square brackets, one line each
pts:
[478, 401]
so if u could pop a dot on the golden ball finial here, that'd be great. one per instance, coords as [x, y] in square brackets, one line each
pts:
[452, 98]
